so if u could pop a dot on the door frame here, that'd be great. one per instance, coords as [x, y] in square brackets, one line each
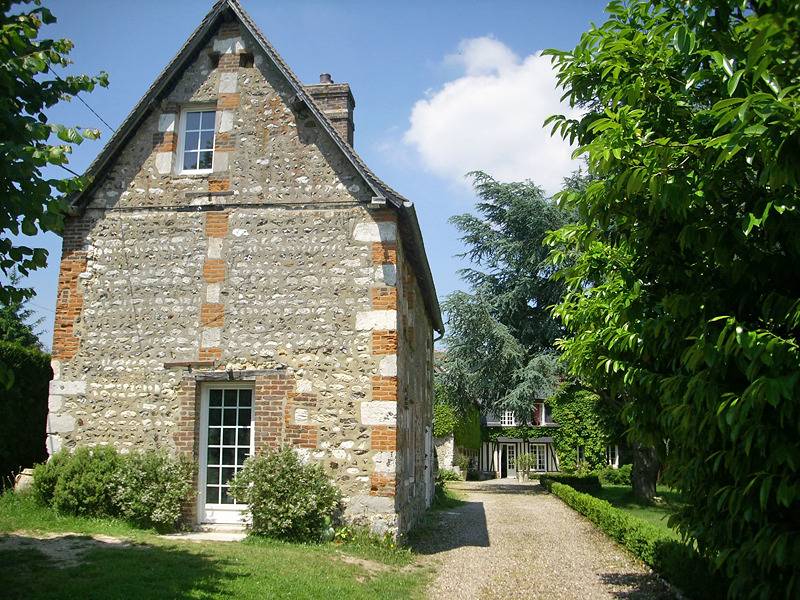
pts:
[510, 471]
[228, 514]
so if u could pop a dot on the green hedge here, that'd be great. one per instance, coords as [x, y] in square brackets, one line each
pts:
[677, 562]
[467, 430]
[23, 409]
[584, 483]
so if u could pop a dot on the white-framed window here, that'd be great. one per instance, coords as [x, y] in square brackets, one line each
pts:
[196, 140]
[612, 455]
[540, 452]
[507, 418]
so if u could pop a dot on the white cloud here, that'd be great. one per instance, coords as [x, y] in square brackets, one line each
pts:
[490, 118]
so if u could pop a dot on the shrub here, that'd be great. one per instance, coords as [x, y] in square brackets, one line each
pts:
[152, 487]
[444, 419]
[611, 476]
[286, 498]
[87, 481]
[23, 409]
[676, 561]
[586, 483]
[45, 477]
[448, 475]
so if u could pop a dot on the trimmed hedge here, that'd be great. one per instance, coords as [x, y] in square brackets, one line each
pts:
[677, 562]
[23, 409]
[584, 483]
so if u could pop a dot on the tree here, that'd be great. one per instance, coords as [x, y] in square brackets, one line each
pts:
[33, 202]
[15, 326]
[691, 128]
[500, 350]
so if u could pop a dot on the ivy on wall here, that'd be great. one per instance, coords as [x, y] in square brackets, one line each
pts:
[584, 421]
[523, 432]
[467, 430]
[444, 419]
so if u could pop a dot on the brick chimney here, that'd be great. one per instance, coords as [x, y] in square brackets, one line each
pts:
[336, 101]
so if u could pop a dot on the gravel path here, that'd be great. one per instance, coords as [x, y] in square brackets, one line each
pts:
[517, 541]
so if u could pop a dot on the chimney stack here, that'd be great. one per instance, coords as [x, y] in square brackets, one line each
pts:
[336, 101]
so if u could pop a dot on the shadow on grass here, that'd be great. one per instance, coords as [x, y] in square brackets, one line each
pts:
[75, 566]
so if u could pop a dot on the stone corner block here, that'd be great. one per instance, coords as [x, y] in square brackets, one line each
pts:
[379, 412]
[388, 366]
[61, 387]
[375, 232]
[384, 320]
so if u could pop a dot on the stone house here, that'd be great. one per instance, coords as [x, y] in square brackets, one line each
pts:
[235, 278]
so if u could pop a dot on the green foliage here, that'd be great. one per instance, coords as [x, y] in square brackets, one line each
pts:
[32, 202]
[584, 420]
[23, 409]
[584, 483]
[151, 487]
[678, 562]
[87, 482]
[522, 432]
[467, 430]
[444, 419]
[612, 476]
[287, 499]
[14, 321]
[690, 123]
[501, 334]
[448, 475]
[147, 488]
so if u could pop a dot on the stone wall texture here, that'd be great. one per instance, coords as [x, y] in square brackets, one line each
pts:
[276, 266]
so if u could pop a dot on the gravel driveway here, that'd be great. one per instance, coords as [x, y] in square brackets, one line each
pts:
[517, 541]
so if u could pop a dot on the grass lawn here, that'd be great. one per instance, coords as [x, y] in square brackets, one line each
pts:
[621, 496]
[145, 565]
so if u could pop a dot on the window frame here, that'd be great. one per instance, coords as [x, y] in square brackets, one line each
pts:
[504, 422]
[182, 139]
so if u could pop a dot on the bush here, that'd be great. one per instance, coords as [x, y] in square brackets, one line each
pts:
[612, 476]
[23, 409]
[152, 487]
[146, 488]
[677, 562]
[585, 483]
[87, 482]
[45, 477]
[287, 499]
[448, 475]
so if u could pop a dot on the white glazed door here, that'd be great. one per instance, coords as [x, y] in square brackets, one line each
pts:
[226, 440]
[511, 460]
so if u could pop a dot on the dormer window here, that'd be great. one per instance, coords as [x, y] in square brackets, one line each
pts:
[197, 141]
[507, 418]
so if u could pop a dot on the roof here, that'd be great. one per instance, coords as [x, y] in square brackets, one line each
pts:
[409, 224]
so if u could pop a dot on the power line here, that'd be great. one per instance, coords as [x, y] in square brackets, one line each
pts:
[86, 104]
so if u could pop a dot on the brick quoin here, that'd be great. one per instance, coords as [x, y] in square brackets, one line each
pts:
[219, 185]
[383, 298]
[214, 270]
[382, 484]
[69, 304]
[384, 388]
[216, 222]
[228, 30]
[223, 142]
[301, 435]
[211, 353]
[384, 342]
[228, 63]
[187, 435]
[165, 141]
[383, 438]
[270, 394]
[383, 216]
[228, 101]
[384, 253]
[212, 314]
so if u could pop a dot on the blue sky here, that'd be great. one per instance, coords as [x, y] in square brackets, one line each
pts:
[441, 88]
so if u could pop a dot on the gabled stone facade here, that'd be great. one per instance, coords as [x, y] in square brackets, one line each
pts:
[279, 270]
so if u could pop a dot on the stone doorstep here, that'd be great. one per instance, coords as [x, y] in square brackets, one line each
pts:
[210, 533]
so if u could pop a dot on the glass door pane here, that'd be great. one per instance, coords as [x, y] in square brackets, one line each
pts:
[230, 415]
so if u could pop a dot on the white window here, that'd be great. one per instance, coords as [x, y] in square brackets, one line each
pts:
[612, 455]
[507, 418]
[540, 452]
[196, 145]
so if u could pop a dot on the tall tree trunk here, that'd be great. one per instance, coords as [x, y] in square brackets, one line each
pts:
[644, 473]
